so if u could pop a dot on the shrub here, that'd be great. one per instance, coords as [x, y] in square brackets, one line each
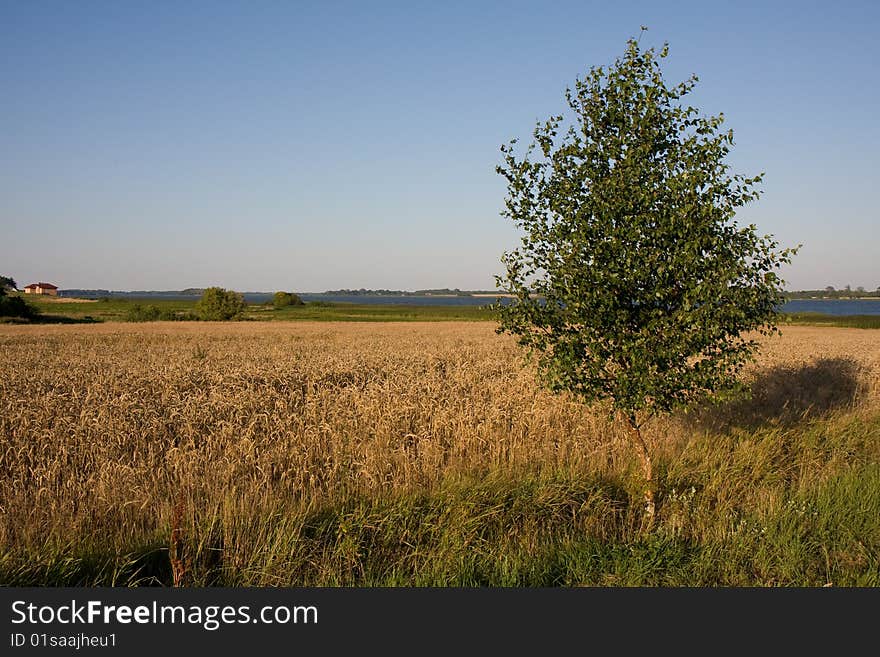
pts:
[218, 304]
[284, 299]
[16, 306]
[139, 313]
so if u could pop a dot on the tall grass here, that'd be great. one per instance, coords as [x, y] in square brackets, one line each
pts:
[416, 454]
[821, 319]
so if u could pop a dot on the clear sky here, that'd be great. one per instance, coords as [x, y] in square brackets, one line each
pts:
[310, 146]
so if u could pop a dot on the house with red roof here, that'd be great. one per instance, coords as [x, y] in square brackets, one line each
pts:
[41, 288]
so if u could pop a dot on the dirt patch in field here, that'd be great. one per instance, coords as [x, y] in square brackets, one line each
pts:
[66, 300]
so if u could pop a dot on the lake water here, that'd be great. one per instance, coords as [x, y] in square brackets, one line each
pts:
[395, 300]
[824, 306]
[834, 306]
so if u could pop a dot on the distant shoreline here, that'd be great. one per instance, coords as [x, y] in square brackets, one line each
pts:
[426, 294]
[79, 292]
[833, 298]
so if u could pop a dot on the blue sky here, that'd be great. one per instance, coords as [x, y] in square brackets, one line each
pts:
[308, 146]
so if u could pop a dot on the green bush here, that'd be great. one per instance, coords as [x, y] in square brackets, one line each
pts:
[218, 304]
[139, 313]
[7, 283]
[284, 299]
[16, 306]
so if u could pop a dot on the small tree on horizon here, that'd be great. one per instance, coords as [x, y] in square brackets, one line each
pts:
[284, 299]
[219, 304]
[633, 284]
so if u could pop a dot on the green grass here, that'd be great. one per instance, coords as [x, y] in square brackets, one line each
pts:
[110, 310]
[117, 310]
[350, 312]
[771, 507]
[819, 319]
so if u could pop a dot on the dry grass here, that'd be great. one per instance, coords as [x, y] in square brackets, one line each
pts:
[107, 431]
[49, 299]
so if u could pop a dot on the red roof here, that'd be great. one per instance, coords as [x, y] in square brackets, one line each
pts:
[45, 286]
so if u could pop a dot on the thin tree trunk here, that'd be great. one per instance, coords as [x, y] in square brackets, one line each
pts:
[635, 435]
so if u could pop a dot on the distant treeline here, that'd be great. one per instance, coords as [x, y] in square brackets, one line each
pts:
[827, 293]
[96, 294]
[832, 293]
[362, 292]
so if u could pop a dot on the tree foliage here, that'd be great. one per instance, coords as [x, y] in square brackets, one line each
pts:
[633, 282]
[13, 305]
[218, 304]
[284, 299]
[7, 283]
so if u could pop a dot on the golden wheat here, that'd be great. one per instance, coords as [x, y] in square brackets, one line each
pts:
[105, 428]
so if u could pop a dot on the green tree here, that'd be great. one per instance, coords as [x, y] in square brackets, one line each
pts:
[14, 305]
[218, 304]
[633, 284]
[7, 283]
[284, 299]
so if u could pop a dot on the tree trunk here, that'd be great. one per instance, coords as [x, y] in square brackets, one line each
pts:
[635, 435]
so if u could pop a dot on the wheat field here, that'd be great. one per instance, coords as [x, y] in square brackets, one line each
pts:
[344, 453]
